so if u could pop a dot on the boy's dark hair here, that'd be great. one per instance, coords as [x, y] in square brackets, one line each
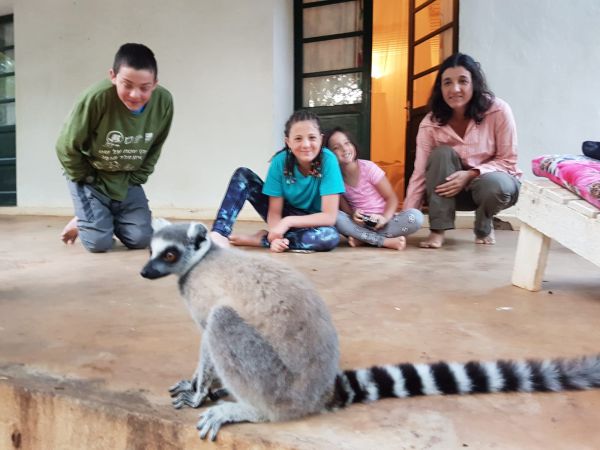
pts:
[482, 96]
[136, 56]
[346, 133]
[290, 160]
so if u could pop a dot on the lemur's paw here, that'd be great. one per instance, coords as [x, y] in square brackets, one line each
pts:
[190, 398]
[186, 393]
[182, 386]
[213, 418]
[211, 421]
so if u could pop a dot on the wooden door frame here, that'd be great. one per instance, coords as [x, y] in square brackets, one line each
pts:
[413, 114]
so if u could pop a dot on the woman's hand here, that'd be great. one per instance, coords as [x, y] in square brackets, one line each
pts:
[456, 182]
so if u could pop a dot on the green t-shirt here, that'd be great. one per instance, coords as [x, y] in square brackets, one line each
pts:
[306, 192]
[104, 144]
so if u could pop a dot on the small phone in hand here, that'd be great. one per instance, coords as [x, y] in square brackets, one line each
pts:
[370, 222]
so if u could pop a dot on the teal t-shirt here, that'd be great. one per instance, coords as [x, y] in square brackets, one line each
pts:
[307, 191]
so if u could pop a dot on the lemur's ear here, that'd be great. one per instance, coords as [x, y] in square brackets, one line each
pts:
[159, 223]
[197, 234]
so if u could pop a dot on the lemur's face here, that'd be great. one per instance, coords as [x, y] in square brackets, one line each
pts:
[305, 141]
[165, 259]
[174, 249]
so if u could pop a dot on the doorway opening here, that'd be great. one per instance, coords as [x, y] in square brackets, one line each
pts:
[369, 66]
[389, 75]
[410, 40]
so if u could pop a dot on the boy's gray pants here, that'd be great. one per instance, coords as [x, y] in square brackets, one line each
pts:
[487, 195]
[99, 217]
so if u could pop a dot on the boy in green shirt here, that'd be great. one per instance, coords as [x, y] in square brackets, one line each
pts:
[109, 146]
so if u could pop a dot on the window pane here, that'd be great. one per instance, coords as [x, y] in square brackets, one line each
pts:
[432, 17]
[333, 55]
[433, 51]
[7, 61]
[343, 89]
[422, 89]
[333, 19]
[7, 87]
[7, 176]
[7, 114]
[6, 34]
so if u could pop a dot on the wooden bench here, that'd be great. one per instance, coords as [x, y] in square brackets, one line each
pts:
[548, 211]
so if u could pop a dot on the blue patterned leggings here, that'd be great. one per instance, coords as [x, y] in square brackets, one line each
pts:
[246, 185]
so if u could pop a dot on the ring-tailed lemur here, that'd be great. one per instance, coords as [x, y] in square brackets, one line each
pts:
[269, 342]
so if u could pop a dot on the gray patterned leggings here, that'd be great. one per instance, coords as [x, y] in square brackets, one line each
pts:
[402, 224]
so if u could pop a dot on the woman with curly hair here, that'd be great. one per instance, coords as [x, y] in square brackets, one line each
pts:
[466, 157]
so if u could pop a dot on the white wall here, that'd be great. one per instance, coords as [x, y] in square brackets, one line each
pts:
[228, 64]
[543, 58]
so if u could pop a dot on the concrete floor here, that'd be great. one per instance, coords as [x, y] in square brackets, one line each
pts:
[88, 347]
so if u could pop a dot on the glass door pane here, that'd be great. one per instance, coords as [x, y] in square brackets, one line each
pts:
[332, 64]
[334, 54]
[332, 19]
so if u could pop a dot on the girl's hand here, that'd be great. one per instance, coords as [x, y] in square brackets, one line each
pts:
[357, 218]
[277, 231]
[380, 219]
[279, 245]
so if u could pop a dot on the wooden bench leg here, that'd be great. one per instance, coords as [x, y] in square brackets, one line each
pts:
[530, 260]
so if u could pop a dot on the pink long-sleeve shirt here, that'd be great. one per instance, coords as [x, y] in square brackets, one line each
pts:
[488, 147]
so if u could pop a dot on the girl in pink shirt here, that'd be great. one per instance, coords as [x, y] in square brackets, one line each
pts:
[466, 156]
[368, 207]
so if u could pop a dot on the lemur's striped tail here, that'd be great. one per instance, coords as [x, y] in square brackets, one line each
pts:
[407, 380]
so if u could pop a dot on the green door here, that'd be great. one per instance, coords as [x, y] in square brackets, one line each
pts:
[333, 64]
[8, 168]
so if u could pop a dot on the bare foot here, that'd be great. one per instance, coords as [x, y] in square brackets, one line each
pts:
[490, 239]
[249, 240]
[353, 242]
[219, 239]
[70, 232]
[434, 240]
[397, 243]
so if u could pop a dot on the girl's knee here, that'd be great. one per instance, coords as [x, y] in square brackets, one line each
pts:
[243, 173]
[321, 239]
[329, 239]
[414, 217]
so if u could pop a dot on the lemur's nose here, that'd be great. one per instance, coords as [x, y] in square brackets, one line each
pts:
[150, 272]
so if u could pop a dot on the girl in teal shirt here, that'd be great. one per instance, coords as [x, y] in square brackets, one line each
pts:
[299, 199]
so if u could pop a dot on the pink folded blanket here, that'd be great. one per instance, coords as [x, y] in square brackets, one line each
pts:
[577, 173]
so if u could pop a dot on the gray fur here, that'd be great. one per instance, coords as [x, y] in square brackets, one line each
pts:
[268, 337]
[269, 342]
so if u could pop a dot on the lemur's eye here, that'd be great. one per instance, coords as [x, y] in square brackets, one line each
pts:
[170, 257]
